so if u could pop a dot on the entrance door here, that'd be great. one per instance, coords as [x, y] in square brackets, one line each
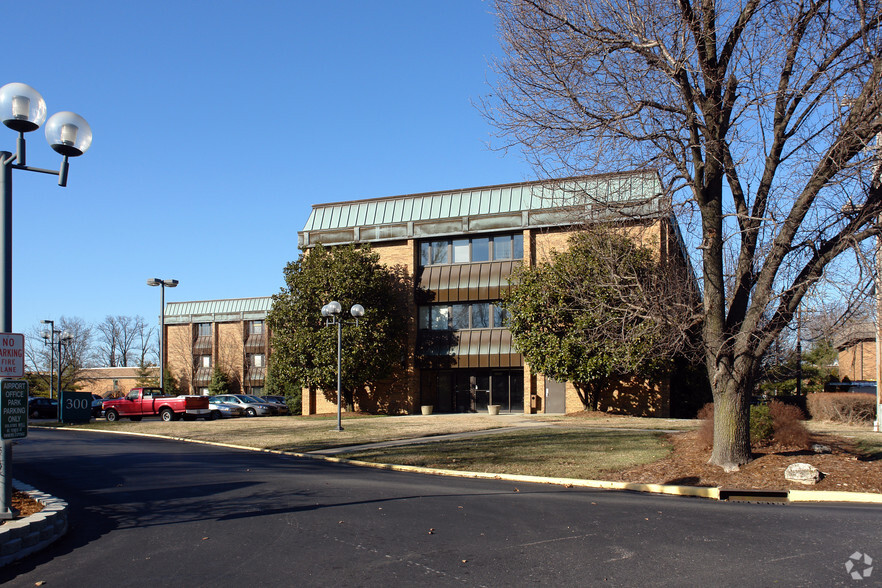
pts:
[555, 397]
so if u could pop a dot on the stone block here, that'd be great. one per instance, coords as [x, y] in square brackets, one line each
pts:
[802, 473]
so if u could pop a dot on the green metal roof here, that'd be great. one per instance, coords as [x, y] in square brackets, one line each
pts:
[461, 211]
[228, 310]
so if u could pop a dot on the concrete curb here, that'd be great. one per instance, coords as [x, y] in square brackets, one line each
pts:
[692, 491]
[22, 537]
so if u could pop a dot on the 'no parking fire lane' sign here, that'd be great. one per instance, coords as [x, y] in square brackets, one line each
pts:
[11, 355]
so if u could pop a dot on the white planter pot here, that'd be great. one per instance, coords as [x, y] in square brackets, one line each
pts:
[493, 409]
[427, 409]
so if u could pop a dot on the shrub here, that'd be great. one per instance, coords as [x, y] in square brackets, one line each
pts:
[293, 398]
[706, 430]
[777, 422]
[788, 427]
[761, 426]
[844, 407]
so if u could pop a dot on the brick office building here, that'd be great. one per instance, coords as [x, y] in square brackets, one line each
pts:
[229, 334]
[460, 247]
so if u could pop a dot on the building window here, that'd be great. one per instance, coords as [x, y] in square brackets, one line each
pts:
[255, 328]
[500, 316]
[481, 249]
[203, 329]
[477, 249]
[256, 360]
[440, 318]
[480, 315]
[461, 253]
[204, 361]
[458, 317]
[433, 252]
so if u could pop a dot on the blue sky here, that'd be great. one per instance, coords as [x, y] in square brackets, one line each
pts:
[217, 124]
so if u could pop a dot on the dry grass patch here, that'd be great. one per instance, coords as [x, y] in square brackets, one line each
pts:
[302, 434]
[551, 452]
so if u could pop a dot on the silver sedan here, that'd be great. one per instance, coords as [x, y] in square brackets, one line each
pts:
[250, 405]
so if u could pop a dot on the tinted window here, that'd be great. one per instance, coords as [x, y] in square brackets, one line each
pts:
[502, 247]
[460, 316]
[481, 249]
[480, 315]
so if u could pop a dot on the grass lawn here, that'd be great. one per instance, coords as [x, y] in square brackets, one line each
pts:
[552, 452]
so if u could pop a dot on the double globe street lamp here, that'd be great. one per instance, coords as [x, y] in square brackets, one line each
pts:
[23, 110]
[332, 312]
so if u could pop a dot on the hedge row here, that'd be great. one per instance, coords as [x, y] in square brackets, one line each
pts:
[844, 407]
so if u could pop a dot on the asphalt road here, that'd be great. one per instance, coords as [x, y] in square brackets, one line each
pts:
[147, 512]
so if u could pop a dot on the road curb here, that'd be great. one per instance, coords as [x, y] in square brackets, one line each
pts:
[22, 537]
[712, 493]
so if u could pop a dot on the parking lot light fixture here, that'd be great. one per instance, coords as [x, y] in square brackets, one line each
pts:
[163, 284]
[46, 335]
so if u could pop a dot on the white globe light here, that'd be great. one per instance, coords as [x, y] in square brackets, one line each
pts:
[21, 107]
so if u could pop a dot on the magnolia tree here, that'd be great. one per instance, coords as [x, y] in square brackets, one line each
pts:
[305, 348]
[604, 308]
[758, 117]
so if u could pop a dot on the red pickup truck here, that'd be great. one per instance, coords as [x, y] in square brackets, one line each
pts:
[141, 402]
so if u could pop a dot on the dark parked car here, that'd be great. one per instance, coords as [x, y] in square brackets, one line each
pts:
[97, 404]
[42, 408]
[276, 401]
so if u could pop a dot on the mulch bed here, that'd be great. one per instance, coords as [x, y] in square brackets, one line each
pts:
[845, 469]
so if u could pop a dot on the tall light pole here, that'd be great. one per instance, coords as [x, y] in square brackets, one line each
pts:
[162, 285]
[332, 313]
[51, 350]
[23, 110]
[64, 338]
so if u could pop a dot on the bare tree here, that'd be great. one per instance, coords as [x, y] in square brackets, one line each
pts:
[76, 353]
[757, 116]
[146, 346]
[120, 340]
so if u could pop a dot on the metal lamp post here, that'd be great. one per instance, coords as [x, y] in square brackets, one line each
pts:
[162, 285]
[23, 110]
[64, 338]
[332, 313]
[46, 341]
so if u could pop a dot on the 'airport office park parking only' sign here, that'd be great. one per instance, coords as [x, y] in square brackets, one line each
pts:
[13, 409]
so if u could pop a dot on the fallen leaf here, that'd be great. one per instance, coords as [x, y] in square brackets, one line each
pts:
[465, 560]
[40, 583]
[205, 538]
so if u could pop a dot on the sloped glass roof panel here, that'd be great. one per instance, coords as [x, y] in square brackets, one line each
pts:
[211, 307]
[504, 199]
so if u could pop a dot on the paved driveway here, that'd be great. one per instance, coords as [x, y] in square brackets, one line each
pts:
[148, 512]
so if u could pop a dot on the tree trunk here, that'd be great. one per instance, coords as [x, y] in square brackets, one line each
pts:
[731, 424]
